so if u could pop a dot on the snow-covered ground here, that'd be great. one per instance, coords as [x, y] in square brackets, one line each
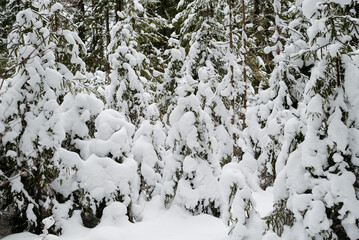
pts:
[157, 224]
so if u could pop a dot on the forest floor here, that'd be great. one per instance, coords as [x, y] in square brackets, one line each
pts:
[157, 224]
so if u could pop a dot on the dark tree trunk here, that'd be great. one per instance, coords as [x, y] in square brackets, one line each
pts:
[233, 101]
[244, 66]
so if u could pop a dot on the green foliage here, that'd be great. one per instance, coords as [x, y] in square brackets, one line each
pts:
[8, 11]
[280, 217]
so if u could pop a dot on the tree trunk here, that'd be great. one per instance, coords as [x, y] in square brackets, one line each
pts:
[256, 7]
[244, 37]
[107, 16]
[233, 101]
[338, 71]
[118, 8]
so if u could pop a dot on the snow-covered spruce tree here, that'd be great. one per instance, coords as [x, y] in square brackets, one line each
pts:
[194, 162]
[236, 87]
[148, 150]
[238, 182]
[191, 168]
[203, 35]
[254, 20]
[109, 173]
[78, 114]
[134, 60]
[279, 109]
[275, 105]
[200, 30]
[173, 57]
[239, 177]
[126, 92]
[150, 28]
[232, 86]
[96, 20]
[320, 177]
[30, 126]
[278, 113]
[260, 21]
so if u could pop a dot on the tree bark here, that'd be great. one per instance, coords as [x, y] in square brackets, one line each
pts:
[338, 71]
[256, 7]
[233, 101]
[244, 36]
[118, 8]
[107, 16]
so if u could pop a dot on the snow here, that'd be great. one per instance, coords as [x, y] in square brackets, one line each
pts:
[16, 185]
[315, 219]
[103, 177]
[341, 2]
[126, 157]
[110, 121]
[25, 236]
[264, 200]
[48, 222]
[176, 54]
[56, 7]
[337, 130]
[158, 224]
[309, 8]
[68, 37]
[114, 213]
[189, 164]
[30, 213]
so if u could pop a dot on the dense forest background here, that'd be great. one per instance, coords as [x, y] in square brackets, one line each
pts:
[200, 102]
